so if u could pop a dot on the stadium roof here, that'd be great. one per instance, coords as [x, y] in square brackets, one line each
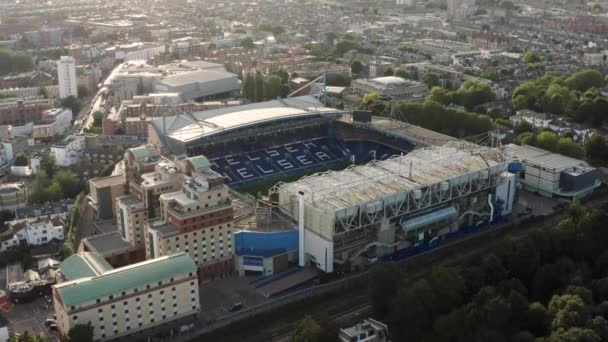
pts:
[372, 182]
[199, 76]
[191, 126]
[125, 278]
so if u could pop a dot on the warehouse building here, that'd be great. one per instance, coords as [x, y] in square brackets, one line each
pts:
[354, 216]
[131, 302]
[200, 84]
[551, 174]
[390, 87]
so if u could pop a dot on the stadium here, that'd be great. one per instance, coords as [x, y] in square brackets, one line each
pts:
[357, 187]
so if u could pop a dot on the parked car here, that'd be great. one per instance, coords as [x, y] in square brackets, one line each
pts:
[235, 307]
[50, 322]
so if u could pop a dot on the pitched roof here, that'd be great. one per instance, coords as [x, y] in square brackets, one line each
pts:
[83, 265]
[125, 278]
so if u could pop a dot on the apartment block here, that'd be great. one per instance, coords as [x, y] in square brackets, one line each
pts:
[198, 219]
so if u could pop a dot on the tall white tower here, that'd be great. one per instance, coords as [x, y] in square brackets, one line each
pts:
[66, 73]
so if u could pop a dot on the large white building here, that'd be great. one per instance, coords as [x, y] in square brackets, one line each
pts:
[351, 216]
[33, 231]
[69, 151]
[66, 74]
[390, 86]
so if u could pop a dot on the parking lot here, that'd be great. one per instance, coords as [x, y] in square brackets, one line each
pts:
[217, 296]
[31, 316]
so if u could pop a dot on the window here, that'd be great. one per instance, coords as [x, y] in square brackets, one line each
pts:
[113, 307]
[113, 315]
[99, 310]
[75, 318]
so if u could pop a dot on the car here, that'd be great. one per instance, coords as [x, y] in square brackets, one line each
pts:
[235, 307]
[53, 327]
[49, 322]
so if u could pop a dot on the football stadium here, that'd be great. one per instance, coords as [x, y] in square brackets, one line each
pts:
[357, 188]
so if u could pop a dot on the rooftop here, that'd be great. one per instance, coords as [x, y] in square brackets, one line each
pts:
[84, 264]
[199, 76]
[107, 244]
[543, 158]
[126, 278]
[108, 181]
[333, 190]
[192, 126]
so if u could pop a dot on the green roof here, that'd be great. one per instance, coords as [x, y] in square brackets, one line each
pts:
[125, 278]
[200, 163]
[82, 265]
[140, 152]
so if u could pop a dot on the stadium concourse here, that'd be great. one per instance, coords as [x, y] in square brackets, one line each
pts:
[267, 141]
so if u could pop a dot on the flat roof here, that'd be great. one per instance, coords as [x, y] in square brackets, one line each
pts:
[198, 76]
[108, 244]
[108, 181]
[138, 275]
[544, 158]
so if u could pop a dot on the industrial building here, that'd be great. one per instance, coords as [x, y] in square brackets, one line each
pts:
[200, 84]
[364, 212]
[127, 302]
[551, 174]
[390, 87]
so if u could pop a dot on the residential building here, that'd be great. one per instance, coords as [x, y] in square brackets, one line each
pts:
[369, 330]
[19, 112]
[130, 302]
[103, 192]
[390, 87]
[68, 79]
[28, 92]
[69, 151]
[33, 231]
[12, 196]
[197, 218]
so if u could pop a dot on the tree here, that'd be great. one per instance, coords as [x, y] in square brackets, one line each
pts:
[531, 57]
[259, 87]
[21, 160]
[384, 287]
[440, 95]
[73, 103]
[389, 72]
[474, 93]
[430, 79]
[43, 92]
[82, 91]
[273, 87]
[15, 62]
[568, 311]
[402, 73]
[307, 330]
[547, 141]
[48, 165]
[26, 337]
[247, 43]
[596, 149]
[568, 147]
[81, 333]
[249, 87]
[68, 183]
[585, 80]
[356, 66]
[495, 113]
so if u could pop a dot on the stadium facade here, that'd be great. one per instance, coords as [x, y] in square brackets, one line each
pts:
[400, 186]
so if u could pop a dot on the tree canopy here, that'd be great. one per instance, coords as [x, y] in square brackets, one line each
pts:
[306, 331]
[81, 333]
[21, 160]
[15, 61]
[72, 102]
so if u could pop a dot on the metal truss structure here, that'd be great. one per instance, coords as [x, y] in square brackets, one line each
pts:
[360, 196]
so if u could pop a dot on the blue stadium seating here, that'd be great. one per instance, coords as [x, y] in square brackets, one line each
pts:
[281, 156]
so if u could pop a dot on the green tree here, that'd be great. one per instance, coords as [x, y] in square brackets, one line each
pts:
[473, 93]
[430, 79]
[307, 330]
[531, 57]
[247, 43]
[81, 333]
[585, 80]
[547, 141]
[440, 95]
[596, 149]
[356, 66]
[21, 160]
[384, 288]
[73, 103]
[568, 311]
[83, 91]
[15, 62]
[259, 87]
[389, 72]
[273, 87]
[495, 113]
[402, 73]
[249, 87]
[48, 165]
[568, 147]
[68, 183]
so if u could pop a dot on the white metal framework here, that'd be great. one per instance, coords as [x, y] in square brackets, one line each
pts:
[363, 195]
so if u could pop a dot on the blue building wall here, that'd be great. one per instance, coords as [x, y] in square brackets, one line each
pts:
[266, 244]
